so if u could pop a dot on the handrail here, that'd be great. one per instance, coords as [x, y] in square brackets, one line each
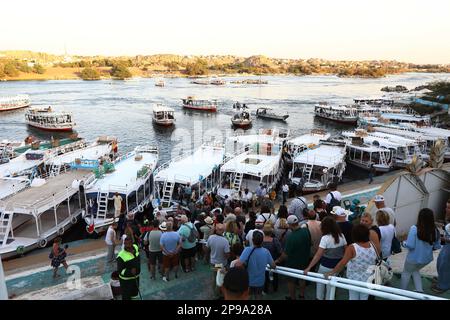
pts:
[354, 285]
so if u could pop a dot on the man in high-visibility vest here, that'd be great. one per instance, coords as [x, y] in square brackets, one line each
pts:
[129, 268]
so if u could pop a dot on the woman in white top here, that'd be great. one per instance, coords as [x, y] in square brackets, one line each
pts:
[331, 250]
[387, 233]
[358, 257]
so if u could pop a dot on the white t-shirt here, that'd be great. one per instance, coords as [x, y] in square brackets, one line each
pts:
[269, 217]
[110, 236]
[249, 236]
[327, 242]
[337, 195]
[387, 234]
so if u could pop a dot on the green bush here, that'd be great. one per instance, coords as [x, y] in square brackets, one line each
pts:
[10, 70]
[38, 69]
[199, 67]
[90, 74]
[120, 71]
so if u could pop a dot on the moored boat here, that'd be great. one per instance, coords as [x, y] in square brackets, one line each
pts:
[198, 169]
[131, 176]
[163, 115]
[192, 103]
[269, 113]
[341, 114]
[160, 83]
[47, 119]
[14, 102]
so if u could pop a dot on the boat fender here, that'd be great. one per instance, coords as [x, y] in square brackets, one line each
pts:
[61, 231]
[73, 219]
[42, 243]
[20, 250]
[141, 208]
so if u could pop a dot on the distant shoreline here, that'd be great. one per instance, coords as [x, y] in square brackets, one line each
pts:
[73, 76]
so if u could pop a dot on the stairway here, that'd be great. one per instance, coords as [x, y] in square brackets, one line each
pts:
[167, 193]
[55, 170]
[237, 181]
[307, 171]
[102, 201]
[5, 226]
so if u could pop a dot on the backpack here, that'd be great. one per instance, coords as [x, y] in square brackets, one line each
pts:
[193, 234]
[305, 210]
[333, 202]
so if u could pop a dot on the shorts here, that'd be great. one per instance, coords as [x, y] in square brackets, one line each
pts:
[153, 256]
[170, 261]
[188, 253]
[256, 290]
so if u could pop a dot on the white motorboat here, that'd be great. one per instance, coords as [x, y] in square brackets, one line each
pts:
[259, 162]
[341, 114]
[163, 115]
[199, 169]
[47, 119]
[131, 176]
[365, 155]
[14, 102]
[241, 117]
[319, 166]
[34, 216]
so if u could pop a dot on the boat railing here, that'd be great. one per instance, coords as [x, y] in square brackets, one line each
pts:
[334, 282]
[166, 164]
[117, 188]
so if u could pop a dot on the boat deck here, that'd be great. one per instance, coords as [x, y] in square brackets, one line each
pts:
[307, 139]
[10, 186]
[125, 173]
[253, 164]
[17, 165]
[323, 156]
[190, 168]
[35, 196]
[89, 153]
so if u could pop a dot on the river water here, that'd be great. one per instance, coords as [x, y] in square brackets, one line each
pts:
[123, 108]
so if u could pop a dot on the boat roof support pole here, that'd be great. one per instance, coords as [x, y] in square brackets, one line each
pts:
[3, 289]
[68, 204]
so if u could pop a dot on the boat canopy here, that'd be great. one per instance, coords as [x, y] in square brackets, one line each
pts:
[192, 168]
[309, 139]
[324, 156]
[258, 165]
[162, 108]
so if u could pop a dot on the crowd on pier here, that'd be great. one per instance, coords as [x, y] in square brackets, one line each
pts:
[239, 237]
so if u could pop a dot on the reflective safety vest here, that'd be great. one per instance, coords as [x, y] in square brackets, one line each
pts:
[127, 256]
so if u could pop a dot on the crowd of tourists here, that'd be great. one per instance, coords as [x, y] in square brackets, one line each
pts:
[239, 237]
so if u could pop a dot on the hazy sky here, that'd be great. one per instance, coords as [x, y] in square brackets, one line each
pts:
[405, 30]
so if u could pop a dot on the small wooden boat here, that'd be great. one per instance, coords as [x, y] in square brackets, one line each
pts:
[269, 113]
[14, 102]
[218, 82]
[47, 119]
[200, 105]
[163, 115]
[242, 117]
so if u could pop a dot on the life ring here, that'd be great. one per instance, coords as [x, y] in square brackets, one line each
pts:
[89, 230]
[73, 219]
[20, 250]
[61, 231]
[42, 243]
[140, 208]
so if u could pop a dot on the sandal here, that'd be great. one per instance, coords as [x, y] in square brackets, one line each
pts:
[435, 289]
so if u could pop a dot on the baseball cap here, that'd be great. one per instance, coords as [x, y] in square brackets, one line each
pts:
[340, 212]
[378, 198]
[292, 219]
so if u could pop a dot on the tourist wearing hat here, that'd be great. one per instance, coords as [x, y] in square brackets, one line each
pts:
[189, 237]
[206, 230]
[341, 216]
[219, 249]
[155, 256]
[296, 254]
[379, 203]
[259, 224]
[170, 246]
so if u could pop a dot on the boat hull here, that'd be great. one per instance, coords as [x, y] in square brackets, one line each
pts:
[240, 124]
[63, 129]
[13, 108]
[344, 121]
[281, 118]
[206, 109]
[378, 168]
[163, 123]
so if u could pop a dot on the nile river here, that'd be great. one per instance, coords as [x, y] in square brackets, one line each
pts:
[123, 108]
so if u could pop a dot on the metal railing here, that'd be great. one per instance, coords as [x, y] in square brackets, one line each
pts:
[353, 285]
